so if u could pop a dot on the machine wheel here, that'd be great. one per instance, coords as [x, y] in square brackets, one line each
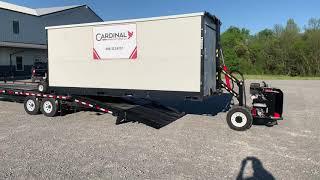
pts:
[31, 105]
[249, 109]
[49, 107]
[239, 118]
[42, 87]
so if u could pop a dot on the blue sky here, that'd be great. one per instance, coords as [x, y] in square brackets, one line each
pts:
[254, 15]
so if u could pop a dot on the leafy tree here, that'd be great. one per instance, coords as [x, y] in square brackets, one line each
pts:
[234, 43]
[282, 50]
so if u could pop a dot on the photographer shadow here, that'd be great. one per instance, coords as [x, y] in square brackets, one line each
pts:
[259, 172]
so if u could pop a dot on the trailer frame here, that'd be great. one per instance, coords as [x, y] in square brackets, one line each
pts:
[125, 109]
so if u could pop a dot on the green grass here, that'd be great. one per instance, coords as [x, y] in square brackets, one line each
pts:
[279, 77]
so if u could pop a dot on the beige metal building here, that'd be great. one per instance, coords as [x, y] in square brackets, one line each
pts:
[23, 39]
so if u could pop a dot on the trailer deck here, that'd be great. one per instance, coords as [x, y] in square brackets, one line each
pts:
[19, 85]
[124, 108]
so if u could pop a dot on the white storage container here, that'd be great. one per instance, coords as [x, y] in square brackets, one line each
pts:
[162, 55]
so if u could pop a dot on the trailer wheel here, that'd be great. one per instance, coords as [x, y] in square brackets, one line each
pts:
[42, 87]
[239, 118]
[31, 105]
[49, 107]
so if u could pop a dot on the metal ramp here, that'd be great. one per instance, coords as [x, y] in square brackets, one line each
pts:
[130, 109]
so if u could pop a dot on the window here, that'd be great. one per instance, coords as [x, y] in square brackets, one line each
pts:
[19, 65]
[15, 26]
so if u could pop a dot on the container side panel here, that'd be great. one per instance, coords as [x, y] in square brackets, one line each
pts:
[168, 58]
[209, 79]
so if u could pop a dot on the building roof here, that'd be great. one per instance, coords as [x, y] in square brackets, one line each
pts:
[44, 11]
[35, 12]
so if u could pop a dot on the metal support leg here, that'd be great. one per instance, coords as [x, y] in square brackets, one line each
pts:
[240, 95]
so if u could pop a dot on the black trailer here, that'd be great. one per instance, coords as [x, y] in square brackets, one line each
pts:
[266, 105]
[124, 108]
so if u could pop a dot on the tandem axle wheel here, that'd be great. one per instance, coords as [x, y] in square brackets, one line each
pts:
[32, 105]
[47, 106]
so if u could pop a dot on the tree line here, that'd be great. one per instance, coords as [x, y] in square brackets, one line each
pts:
[283, 50]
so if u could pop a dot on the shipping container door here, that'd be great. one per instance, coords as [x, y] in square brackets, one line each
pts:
[209, 60]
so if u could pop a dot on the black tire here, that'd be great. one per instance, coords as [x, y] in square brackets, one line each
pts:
[49, 107]
[42, 87]
[249, 109]
[239, 118]
[31, 105]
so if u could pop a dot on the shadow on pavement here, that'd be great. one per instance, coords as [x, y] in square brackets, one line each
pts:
[259, 172]
[164, 112]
